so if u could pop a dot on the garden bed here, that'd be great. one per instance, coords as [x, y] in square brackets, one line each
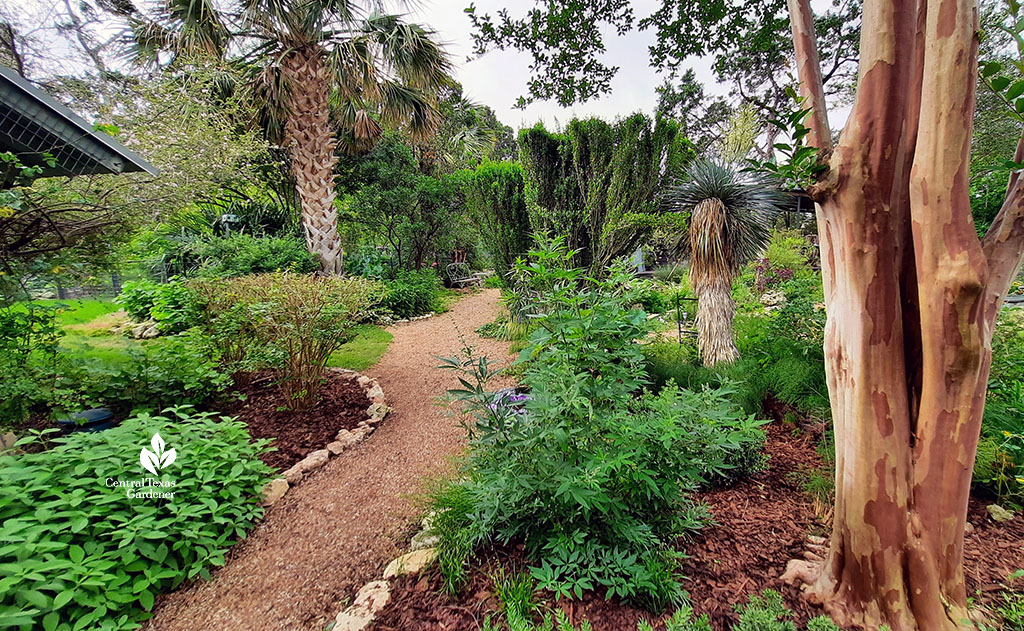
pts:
[761, 523]
[295, 434]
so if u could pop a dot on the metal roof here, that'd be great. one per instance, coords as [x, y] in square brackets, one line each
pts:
[33, 123]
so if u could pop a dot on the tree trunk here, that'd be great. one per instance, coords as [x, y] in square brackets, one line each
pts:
[711, 275]
[310, 141]
[715, 311]
[912, 297]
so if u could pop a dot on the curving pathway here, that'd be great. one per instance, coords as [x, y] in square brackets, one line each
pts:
[338, 529]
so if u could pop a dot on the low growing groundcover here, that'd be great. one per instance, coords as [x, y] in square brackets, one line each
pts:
[89, 536]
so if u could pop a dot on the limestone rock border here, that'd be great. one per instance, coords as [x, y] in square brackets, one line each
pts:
[374, 596]
[345, 439]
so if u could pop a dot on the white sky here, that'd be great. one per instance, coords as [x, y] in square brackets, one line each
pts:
[498, 78]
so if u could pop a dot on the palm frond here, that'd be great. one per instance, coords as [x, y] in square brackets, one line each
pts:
[411, 51]
[401, 105]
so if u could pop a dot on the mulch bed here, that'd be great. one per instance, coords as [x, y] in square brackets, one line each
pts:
[761, 523]
[342, 405]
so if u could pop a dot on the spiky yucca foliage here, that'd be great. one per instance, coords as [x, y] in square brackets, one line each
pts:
[730, 214]
[319, 67]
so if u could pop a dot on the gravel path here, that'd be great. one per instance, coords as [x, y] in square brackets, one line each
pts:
[339, 528]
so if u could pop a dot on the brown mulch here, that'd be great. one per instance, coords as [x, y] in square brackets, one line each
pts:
[761, 523]
[295, 433]
[337, 530]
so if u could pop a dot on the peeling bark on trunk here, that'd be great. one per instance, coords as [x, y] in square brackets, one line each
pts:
[310, 141]
[912, 297]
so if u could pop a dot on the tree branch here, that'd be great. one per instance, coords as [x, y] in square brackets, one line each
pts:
[1003, 244]
[808, 65]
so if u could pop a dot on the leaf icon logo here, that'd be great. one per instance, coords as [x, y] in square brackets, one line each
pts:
[157, 459]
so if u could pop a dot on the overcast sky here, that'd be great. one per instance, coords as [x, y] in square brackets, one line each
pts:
[498, 78]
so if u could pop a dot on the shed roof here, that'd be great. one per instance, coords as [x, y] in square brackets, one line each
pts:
[33, 123]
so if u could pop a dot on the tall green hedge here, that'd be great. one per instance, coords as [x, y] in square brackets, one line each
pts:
[597, 183]
[496, 195]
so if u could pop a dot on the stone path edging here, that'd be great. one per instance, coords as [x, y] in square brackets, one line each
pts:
[374, 596]
[377, 411]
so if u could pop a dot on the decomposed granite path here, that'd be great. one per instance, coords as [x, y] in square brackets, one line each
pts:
[340, 527]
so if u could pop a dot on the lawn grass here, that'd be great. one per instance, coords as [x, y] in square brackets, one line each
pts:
[87, 338]
[364, 350]
[79, 311]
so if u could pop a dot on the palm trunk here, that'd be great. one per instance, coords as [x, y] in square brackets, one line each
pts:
[711, 278]
[310, 141]
[912, 297]
[715, 311]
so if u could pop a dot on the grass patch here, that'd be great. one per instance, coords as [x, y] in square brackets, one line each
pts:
[78, 311]
[364, 350]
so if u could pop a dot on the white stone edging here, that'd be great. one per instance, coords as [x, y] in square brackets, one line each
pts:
[375, 595]
[345, 439]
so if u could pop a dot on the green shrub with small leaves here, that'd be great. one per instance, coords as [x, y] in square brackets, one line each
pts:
[412, 293]
[79, 553]
[294, 322]
[29, 339]
[180, 369]
[244, 254]
[768, 612]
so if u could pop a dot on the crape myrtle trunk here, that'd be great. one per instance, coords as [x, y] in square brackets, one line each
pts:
[912, 296]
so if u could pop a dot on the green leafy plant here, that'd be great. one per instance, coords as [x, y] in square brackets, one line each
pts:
[179, 370]
[29, 339]
[79, 552]
[171, 305]
[768, 612]
[592, 478]
[412, 293]
[243, 254]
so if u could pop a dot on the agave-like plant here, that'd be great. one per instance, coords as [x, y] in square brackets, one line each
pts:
[731, 213]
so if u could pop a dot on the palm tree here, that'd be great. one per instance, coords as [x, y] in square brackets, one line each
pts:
[730, 215]
[318, 67]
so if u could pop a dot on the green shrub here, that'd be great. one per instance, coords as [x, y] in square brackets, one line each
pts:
[768, 612]
[29, 338]
[171, 305]
[1008, 347]
[592, 478]
[1004, 408]
[412, 293]
[244, 254]
[292, 322]
[138, 297]
[77, 553]
[788, 249]
[496, 194]
[180, 369]
[669, 361]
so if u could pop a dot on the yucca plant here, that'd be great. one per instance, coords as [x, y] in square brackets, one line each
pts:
[730, 215]
[318, 67]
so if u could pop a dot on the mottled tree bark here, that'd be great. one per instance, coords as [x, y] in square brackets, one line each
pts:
[310, 142]
[912, 296]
